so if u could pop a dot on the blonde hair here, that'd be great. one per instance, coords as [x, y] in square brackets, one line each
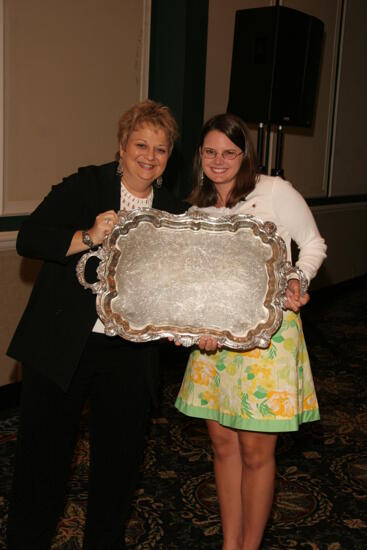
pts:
[151, 113]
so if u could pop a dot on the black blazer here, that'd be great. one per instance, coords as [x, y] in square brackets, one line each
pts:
[60, 313]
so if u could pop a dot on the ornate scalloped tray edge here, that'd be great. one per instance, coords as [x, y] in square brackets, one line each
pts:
[183, 276]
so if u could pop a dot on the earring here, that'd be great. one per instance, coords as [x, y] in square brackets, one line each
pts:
[158, 182]
[201, 178]
[120, 170]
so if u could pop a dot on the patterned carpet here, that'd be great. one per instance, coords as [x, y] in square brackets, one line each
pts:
[321, 488]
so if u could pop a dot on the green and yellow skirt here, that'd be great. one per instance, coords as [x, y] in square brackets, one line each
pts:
[262, 390]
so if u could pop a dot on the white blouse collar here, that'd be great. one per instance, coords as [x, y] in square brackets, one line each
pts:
[130, 202]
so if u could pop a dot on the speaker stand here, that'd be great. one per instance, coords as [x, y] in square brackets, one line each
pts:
[260, 148]
[261, 167]
[277, 170]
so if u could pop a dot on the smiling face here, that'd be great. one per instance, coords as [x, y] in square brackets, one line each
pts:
[222, 172]
[144, 158]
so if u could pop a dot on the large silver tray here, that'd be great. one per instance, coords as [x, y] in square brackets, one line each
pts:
[162, 275]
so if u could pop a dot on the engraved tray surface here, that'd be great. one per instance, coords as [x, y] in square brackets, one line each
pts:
[190, 275]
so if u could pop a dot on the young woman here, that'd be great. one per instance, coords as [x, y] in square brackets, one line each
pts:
[248, 397]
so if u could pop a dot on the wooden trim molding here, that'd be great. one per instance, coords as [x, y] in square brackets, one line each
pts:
[8, 240]
[342, 200]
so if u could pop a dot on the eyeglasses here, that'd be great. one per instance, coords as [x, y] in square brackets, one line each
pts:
[228, 154]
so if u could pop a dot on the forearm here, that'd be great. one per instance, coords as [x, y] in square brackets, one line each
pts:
[311, 256]
[296, 217]
[77, 244]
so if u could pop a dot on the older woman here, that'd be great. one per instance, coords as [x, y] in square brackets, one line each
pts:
[248, 397]
[68, 360]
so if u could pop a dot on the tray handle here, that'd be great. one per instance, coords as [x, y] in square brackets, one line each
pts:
[286, 272]
[102, 255]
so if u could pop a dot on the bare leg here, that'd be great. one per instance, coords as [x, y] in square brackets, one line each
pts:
[258, 454]
[228, 475]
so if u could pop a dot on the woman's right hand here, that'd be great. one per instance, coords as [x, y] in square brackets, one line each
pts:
[294, 300]
[103, 226]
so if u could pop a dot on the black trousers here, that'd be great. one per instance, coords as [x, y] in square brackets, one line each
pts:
[115, 377]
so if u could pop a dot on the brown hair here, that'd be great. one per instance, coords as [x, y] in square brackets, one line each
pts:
[151, 113]
[203, 192]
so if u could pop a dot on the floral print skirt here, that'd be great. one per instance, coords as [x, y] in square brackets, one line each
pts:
[263, 390]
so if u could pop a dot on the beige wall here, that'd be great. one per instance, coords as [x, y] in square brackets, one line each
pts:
[349, 166]
[17, 276]
[344, 228]
[71, 68]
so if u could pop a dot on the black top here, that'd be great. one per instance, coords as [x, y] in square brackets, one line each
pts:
[60, 313]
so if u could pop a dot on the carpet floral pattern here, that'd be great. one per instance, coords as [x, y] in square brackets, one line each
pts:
[321, 486]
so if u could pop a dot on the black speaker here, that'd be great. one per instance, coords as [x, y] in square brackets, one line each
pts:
[275, 65]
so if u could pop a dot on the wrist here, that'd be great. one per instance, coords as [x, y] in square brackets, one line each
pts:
[87, 239]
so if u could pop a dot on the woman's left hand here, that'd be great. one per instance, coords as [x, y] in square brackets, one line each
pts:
[293, 298]
[207, 343]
